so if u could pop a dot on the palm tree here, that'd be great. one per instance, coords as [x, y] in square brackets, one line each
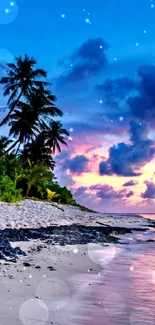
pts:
[36, 174]
[13, 168]
[22, 78]
[41, 101]
[23, 126]
[25, 121]
[4, 143]
[55, 135]
[37, 152]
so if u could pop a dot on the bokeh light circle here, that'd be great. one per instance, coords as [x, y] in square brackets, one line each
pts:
[101, 255]
[114, 304]
[54, 292]
[32, 311]
[6, 56]
[8, 11]
[142, 316]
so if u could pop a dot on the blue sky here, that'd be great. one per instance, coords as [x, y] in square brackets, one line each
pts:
[82, 45]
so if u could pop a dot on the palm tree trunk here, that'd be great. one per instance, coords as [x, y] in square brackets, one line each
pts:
[11, 110]
[28, 190]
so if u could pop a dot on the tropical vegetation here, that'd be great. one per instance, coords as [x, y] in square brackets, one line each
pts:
[35, 136]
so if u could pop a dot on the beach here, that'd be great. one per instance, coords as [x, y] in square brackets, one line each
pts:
[36, 214]
[92, 283]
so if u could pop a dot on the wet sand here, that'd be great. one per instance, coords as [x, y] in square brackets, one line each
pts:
[93, 284]
[80, 285]
[40, 288]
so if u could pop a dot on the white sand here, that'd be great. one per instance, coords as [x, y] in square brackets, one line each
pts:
[38, 296]
[36, 214]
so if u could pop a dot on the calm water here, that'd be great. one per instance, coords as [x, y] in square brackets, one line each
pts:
[148, 216]
[124, 291]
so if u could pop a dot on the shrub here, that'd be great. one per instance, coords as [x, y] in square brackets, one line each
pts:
[65, 196]
[36, 174]
[51, 196]
[8, 191]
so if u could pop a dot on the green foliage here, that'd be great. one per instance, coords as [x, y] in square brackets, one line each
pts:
[13, 168]
[51, 196]
[85, 209]
[38, 152]
[35, 181]
[36, 174]
[65, 196]
[8, 191]
[31, 108]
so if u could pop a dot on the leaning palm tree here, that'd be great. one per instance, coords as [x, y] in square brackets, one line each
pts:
[28, 115]
[55, 135]
[38, 152]
[41, 101]
[23, 126]
[21, 79]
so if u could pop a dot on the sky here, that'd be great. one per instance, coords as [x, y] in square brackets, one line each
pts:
[100, 59]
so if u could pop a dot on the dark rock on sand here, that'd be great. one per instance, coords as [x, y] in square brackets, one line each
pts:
[62, 235]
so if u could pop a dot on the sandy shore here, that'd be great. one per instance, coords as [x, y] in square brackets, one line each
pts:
[36, 214]
[45, 287]
[54, 284]
[78, 285]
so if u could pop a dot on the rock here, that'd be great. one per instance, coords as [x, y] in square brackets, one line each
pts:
[26, 264]
[51, 268]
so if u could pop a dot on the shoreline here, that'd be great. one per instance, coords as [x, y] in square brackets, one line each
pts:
[61, 285]
[37, 214]
[60, 224]
[52, 276]
[49, 274]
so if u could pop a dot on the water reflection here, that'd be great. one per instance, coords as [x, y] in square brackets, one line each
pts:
[122, 294]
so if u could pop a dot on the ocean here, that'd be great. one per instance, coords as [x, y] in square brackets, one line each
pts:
[148, 215]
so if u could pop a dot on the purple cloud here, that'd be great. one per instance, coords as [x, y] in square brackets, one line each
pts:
[78, 164]
[130, 183]
[150, 191]
[108, 192]
[127, 159]
[129, 194]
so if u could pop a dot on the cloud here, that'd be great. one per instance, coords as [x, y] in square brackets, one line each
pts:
[150, 191]
[80, 191]
[105, 168]
[129, 97]
[105, 192]
[78, 164]
[94, 196]
[127, 159]
[63, 177]
[129, 194]
[93, 148]
[143, 105]
[108, 192]
[112, 91]
[130, 183]
[88, 61]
